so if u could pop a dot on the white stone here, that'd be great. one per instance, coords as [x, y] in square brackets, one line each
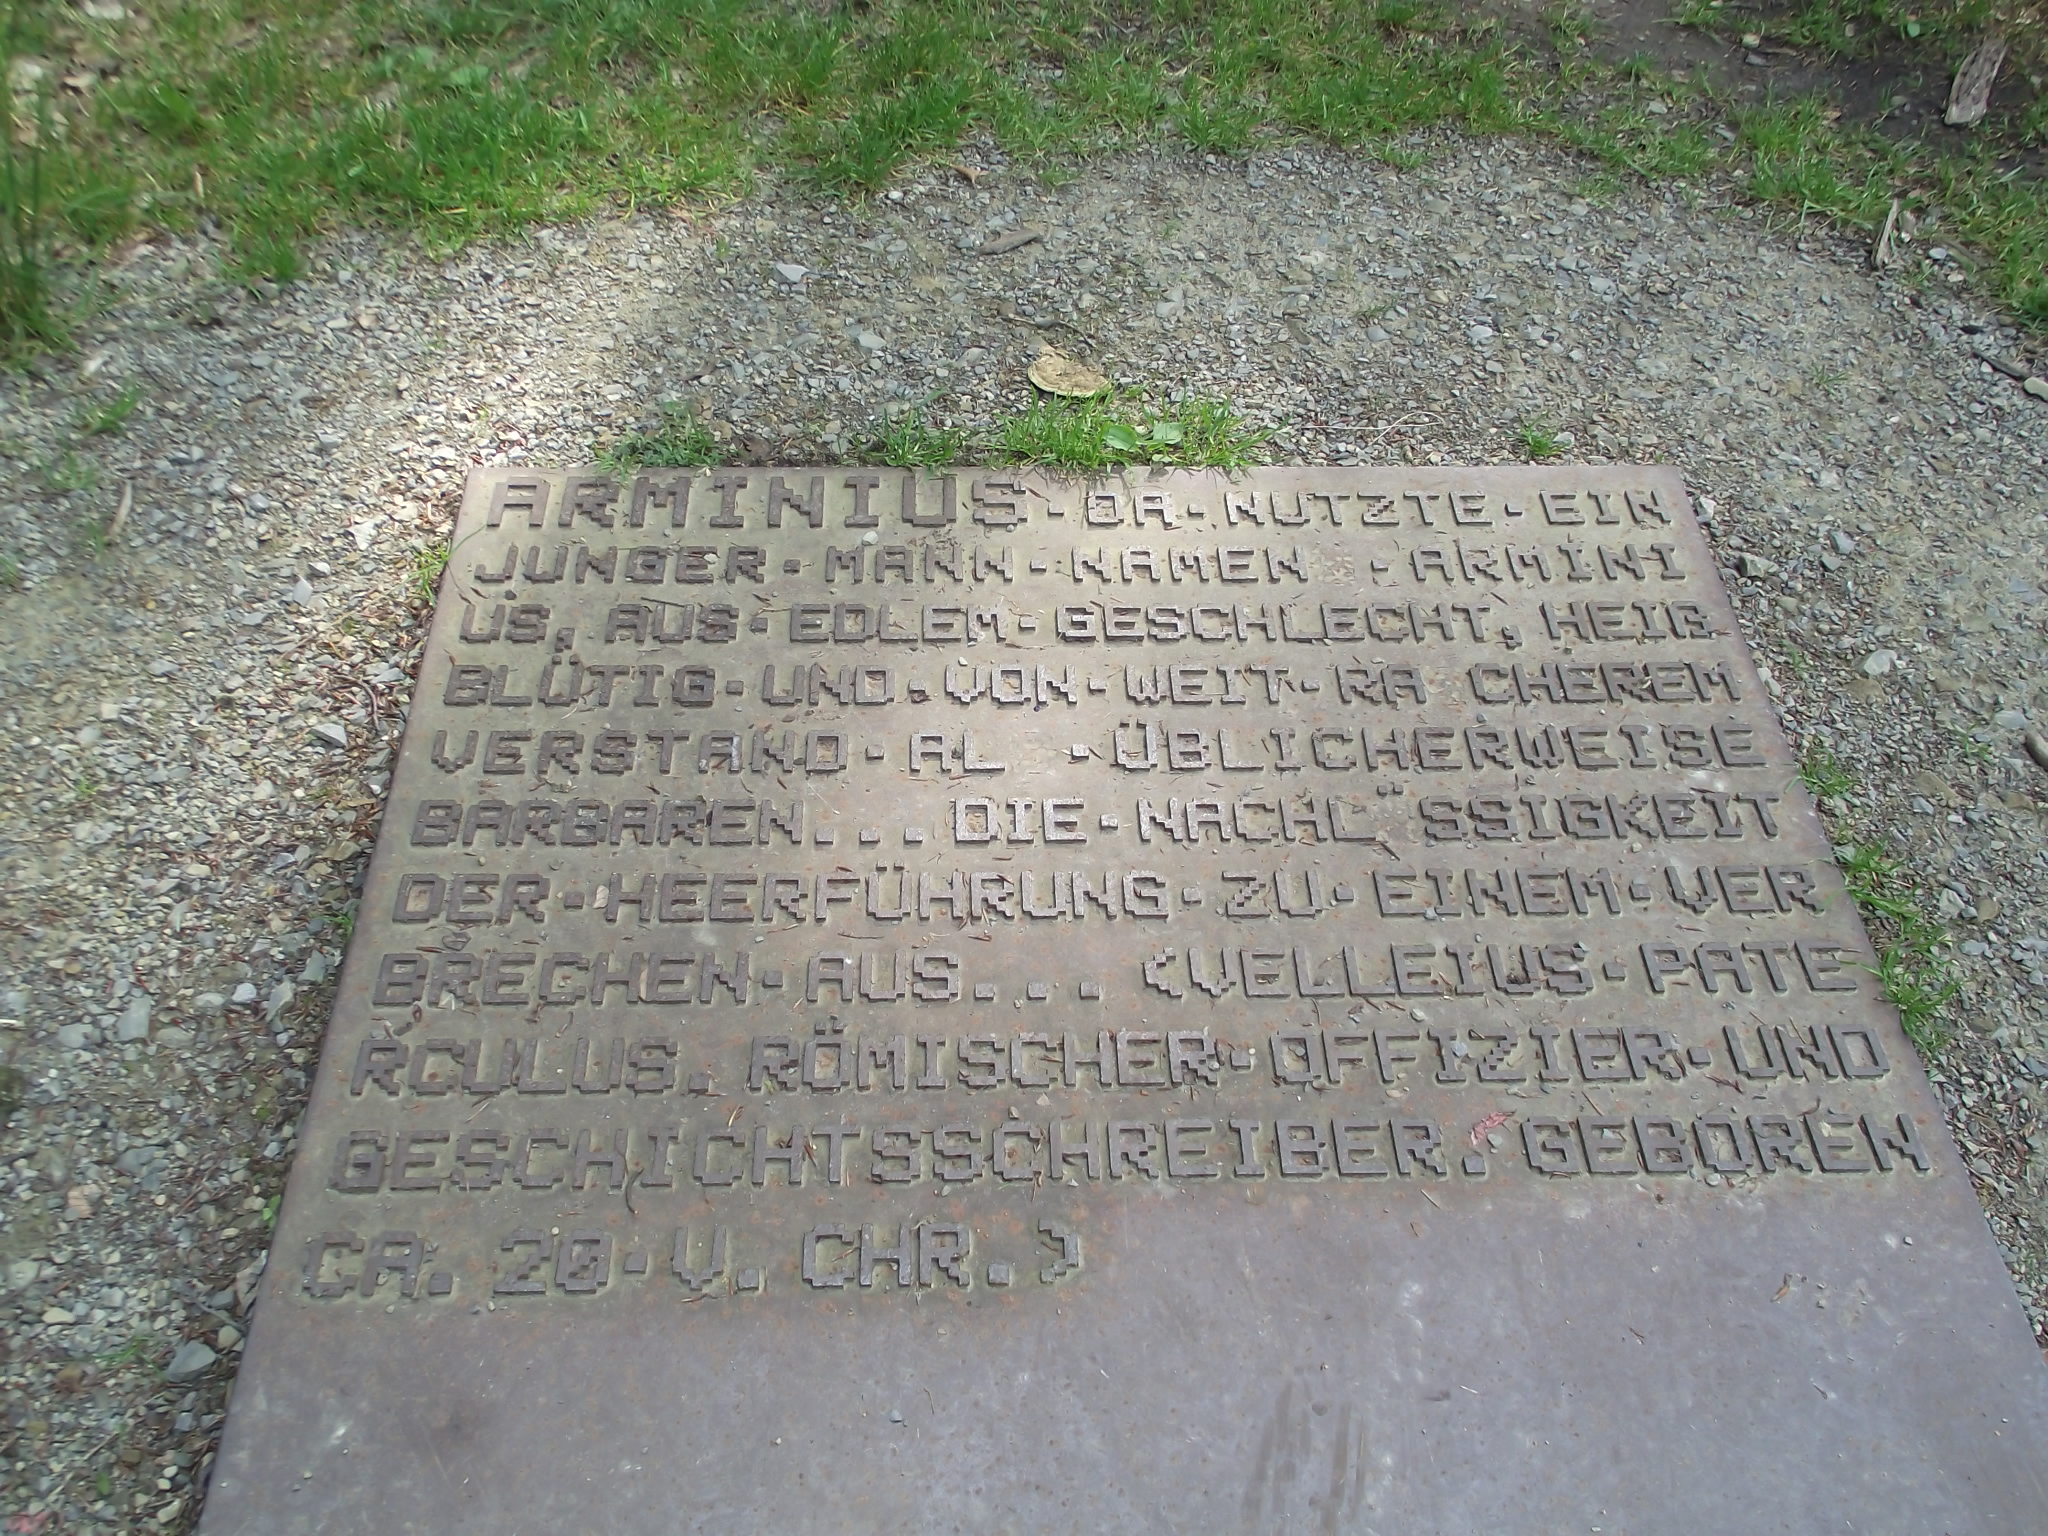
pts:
[1877, 663]
[191, 1360]
[134, 1021]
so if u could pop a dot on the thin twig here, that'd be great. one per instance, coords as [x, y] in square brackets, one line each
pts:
[121, 512]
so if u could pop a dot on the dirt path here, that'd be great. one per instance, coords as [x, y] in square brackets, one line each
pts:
[201, 717]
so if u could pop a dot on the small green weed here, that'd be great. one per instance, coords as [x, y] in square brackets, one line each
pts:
[1831, 382]
[1913, 968]
[913, 443]
[68, 472]
[1978, 754]
[1538, 441]
[1825, 775]
[679, 441]
[97, 417]
[1102, 434]
[1065, 434]
[423, 576]
[10, 572]
[140, 1346]
[1213, 435]
[95, 532]
[1148, 438]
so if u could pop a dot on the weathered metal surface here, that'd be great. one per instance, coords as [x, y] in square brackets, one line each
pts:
[1315, 1001]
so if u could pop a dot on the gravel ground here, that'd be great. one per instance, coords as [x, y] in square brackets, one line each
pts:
[201, 716]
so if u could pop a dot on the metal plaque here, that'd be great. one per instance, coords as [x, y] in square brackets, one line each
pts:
[980, 1001]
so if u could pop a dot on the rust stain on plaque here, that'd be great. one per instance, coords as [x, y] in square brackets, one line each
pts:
[986, 1001]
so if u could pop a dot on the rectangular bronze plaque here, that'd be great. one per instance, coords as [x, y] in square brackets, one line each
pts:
[979, 1001]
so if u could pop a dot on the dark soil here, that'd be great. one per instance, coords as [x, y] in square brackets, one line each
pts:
[1897, 87]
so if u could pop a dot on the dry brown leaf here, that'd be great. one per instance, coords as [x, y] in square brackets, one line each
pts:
[1058, 374]
[1010, 240]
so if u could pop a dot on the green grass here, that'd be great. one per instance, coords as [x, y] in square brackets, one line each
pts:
[1538, 442]
[66, 472]
[1913, 968]
[110, 415]
[913, 443]
[1114, 431]
[140, 1346]
[677, 441]
[1832, 382]
[1824, 773]
[459, 120]
[423, 575]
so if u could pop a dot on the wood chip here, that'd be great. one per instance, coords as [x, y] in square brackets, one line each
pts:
[1010, 240]
[1970, 96]
[127, 505]
[1058, 374]
[1882, 255]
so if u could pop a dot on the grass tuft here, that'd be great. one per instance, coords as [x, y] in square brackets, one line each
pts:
[1913, 967]
[1108, 433]
[423, 575]
[1538, 442]
[1823, 773]
[97, 417]
[67, 472]
[913, 443]
[678, 441]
